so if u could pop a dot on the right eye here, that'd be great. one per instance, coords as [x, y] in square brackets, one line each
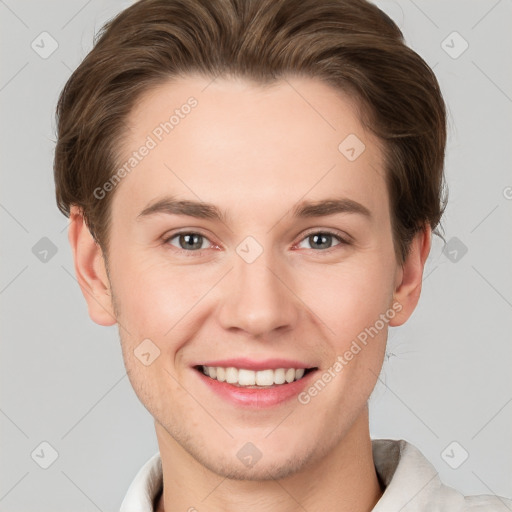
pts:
[187, 241]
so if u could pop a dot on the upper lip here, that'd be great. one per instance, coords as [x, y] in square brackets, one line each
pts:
[251, 364]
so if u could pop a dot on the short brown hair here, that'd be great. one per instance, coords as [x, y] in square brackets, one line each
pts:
[349, 44]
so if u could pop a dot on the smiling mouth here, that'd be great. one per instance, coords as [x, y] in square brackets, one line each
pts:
[240, 377]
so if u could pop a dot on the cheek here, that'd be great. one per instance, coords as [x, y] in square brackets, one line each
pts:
[349, 297]
[155, 304]
[354, 310]
[153, 297]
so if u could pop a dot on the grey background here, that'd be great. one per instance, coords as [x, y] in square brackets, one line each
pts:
[447, 372]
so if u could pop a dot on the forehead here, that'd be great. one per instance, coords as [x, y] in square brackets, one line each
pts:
[223, 139]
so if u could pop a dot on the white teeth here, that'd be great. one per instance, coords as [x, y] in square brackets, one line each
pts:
[246, 378]
[290, 375]
[231, 375]
[221, 374]
[265, 377]
[279, 376]
[250, 378]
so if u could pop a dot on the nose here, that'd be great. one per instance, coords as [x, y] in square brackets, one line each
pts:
[258, 297]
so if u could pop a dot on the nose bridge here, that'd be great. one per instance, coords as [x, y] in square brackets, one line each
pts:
[256, 300]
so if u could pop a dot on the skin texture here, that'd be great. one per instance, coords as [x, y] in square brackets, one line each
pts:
[255, 153]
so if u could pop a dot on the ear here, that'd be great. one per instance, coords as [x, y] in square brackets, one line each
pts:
[90, 270]
[410, 276]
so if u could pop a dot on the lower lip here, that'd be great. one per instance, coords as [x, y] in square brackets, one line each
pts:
[257, 398]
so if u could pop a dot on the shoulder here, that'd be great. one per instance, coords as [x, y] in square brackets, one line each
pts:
[411, 483]
[486, 502]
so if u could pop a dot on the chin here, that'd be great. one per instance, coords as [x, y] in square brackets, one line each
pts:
[260, 471]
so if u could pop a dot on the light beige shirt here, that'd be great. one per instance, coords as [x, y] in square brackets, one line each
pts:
[411, 484]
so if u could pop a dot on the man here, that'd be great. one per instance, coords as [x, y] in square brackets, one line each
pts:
[252, 187]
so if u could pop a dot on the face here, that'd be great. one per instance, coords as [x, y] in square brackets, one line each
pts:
[250, 230]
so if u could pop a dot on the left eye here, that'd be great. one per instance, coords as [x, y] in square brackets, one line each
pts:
[321, 240]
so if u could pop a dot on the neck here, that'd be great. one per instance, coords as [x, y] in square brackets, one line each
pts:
[343, 480]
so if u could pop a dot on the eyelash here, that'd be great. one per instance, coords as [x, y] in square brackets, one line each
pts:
[342, 241]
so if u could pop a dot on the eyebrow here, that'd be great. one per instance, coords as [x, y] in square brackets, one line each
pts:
[202, 210]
